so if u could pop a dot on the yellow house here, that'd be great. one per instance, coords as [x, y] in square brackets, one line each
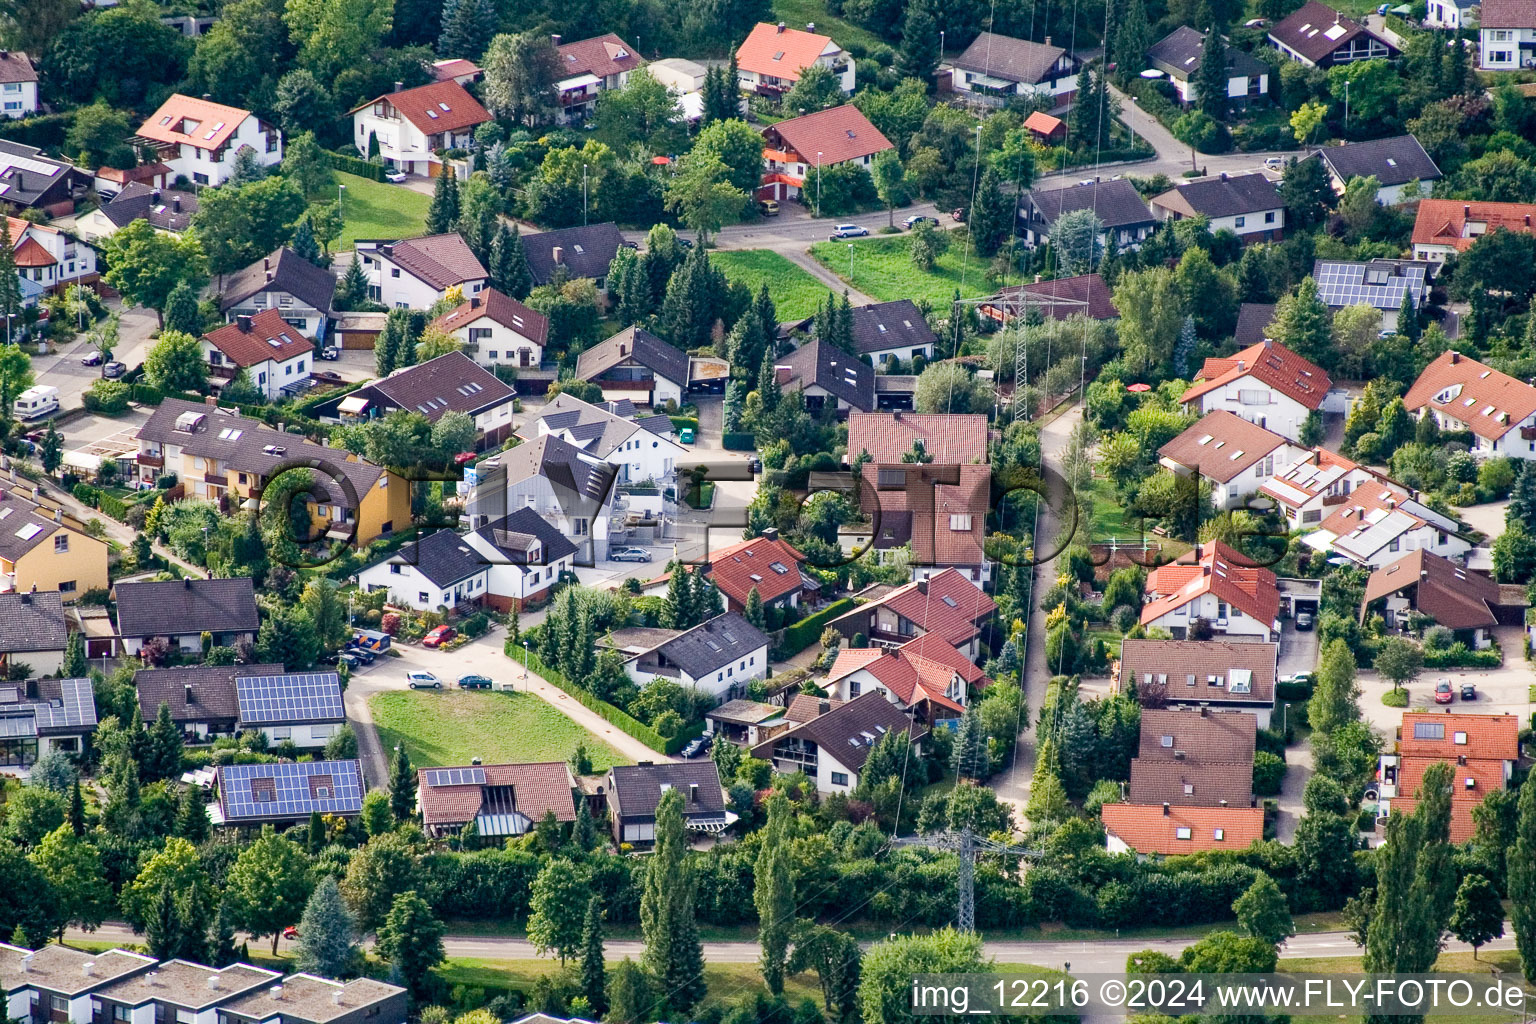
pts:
[42, 553]
[217, 453]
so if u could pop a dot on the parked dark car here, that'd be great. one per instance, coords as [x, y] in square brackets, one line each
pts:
[1468, 691]
[474, 682]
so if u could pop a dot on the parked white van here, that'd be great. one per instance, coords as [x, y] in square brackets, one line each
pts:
[38, 400]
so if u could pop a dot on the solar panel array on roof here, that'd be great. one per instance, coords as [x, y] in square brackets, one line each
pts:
[1379, 284]
[288, 790]
[296, 697]
[76, 706]
[456, 777]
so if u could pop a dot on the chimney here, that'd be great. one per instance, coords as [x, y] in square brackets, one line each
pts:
[26, 598]
[693, 792]
[770, 533]
[781, 26]
[58, 515]
[176, 204]
[623, 349]
[207, 97]
[1205, 712]
[243, 321]
[1166, 812]
[1455, 358]
[474, 302]
[186, 583]
[210, 402]
[213, 982]
[154, 195]
[1223, 175]
[558, 255]
[188, 696]
[266, 263]
[1466, 212]
[277, 992]
[336, 996]
[823, 706]
[474, 760]
[555, 39]
[1223, 803]
[1423, 574]
[399, 87]
[89, 968]
[896, 415]
[1047, 40]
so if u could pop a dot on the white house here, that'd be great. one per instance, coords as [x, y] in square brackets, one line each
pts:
[892, 330]
[1451, 14]
[415, 273]
[1393, 162]
[411, 126]
[825, 138]
[772, 57]
[285, 283]
[1380, 283]
[1506, 36]
[18, 85]
[1464, 394]
[440, 570]
[304, 709]
[1178, 55]
[832, 747]
[1236, 456]
[927, 674]
[1267, 384]
[589, 67]
[569, 489]
[1376, 526]
[1116, 203]
[181, 611]
[995, 69]
[642, 448]
[718, 657]
[199, 139]
[525, 557]
[1321, 480]
[1319, 36]
[1217, 586]
[637, 365]
[497, 330]
[50, 259]
[273, 354]
[1248, 205]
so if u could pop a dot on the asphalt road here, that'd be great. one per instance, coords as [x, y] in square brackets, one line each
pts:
[1100, 956]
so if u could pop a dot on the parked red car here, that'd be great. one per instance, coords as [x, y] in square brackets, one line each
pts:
[439, 636]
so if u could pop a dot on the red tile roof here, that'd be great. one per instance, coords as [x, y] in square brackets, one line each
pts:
[536, 788]
[1221, 445]
[935, 648]
[781, 53]
[31, 254]
[435, 107]
[937, 537]
[269, 337]
[1451, 595]
[1490, 403]
[184, 120]
[1508, 14]
[1146, 829]
[601, 56]
[1185, 734]
[740, 567]
[1495, 737]
[1309, 477]
[1444, 221]
[440, 260]
[947, 604]
[948, 437]
[1270, 363]
[1043, 123]
[16, 66]
[457, 67]
[1220, 571]
[839, 134]
[503, 309]
[910, 679]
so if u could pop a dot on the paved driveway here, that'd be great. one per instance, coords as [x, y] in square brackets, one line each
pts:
[1298, 649]
[1502, 690]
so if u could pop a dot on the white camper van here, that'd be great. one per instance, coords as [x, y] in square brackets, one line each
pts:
[38, 400]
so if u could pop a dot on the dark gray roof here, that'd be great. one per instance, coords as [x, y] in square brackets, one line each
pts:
[177, 607]
[254, 448]
[450, 382]
[441, 557]
[22, 529]
[886, 325]
[1116, 203]
[1253, 320]
[1017, 60]
[1230, 195]
[285, 271]
[213, 690]
[1394, 161]
[167, 211]
[507, 534]
[597, 430]
[711, 646]
[637, 788]
[848, 731]
[32, 622]
[1178, 54]
[842, 375]
[640, 345]
[585, 252]
[581, 482]
[28, 175]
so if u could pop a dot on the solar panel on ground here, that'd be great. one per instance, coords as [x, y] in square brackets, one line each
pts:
[256, 792]
[295, 697]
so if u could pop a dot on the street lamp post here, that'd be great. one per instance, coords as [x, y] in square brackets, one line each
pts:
[525, 659]
[583, 195]
[941, 46]
[1130, 122]
[850, 263]
[341, 194]
[818, 183]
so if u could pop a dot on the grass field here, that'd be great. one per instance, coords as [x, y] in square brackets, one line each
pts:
[798, 12]
[376, 209]
[452, 726]
[796, 294]
[883, 270]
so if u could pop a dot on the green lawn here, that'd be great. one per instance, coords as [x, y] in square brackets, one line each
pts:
[798, 12]
[377, 209]
[452, 726]
[796, 294]
[883, 270]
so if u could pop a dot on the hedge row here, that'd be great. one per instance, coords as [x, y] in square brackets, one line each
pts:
[114, 507]
[739, 441]
[610, 714]
[808, 630]
[681, 422]
[354, 165]
[46, 131]
[1459, 655]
